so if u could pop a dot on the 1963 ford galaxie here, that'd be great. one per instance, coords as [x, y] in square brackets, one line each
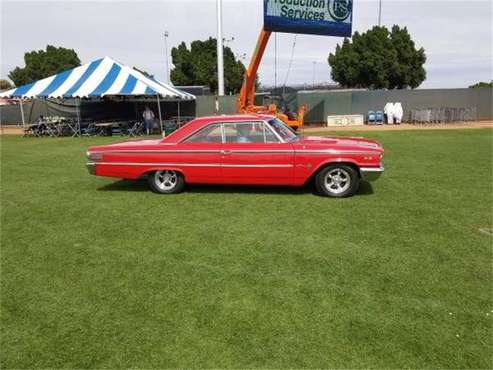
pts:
[242, 150]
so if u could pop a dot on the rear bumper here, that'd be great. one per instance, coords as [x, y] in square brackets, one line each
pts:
[91, 168]
[371, 173]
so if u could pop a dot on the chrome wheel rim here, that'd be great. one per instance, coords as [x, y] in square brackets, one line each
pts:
[166, 180]
[337, 181]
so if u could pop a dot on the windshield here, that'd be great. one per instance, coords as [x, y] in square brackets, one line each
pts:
[284, 131]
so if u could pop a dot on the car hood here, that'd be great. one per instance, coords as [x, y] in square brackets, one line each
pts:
[135, 144]
[339, 142]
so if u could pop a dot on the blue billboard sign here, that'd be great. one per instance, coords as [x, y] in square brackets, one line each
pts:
[316, 17]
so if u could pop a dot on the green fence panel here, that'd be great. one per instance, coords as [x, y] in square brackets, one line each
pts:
[363, 101]
[321, 104]
[227, 104]
[205, 105]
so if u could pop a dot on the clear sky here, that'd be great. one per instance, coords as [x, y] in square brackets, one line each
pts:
[457, 35]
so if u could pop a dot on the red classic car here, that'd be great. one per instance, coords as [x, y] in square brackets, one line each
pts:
[241, 149]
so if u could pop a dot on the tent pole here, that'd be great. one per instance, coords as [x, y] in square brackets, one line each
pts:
[77, 107]
[160, 117]
[22, 115]
[179, 120]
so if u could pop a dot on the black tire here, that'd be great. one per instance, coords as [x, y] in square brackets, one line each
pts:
[166, 182]
[337, 181]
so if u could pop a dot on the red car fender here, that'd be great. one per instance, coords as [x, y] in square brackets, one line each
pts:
[328, 161]
[170, 168]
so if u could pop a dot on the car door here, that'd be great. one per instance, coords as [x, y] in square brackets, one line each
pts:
[200, 155]
[253, 154]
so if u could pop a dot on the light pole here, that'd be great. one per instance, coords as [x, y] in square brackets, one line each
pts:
[220, 57]
[166, 58]
[313, 76]
[380, 13]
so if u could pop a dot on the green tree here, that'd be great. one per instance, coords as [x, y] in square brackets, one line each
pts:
[481, 84]
[198, 66]
[5, 85]
[44, 63]
[379, 59]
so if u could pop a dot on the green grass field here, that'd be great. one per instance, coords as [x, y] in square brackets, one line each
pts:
[99, 273]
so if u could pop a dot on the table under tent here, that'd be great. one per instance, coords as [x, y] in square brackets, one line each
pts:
[102, 80]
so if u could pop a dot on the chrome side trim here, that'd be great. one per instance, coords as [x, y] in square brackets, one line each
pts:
[259, 165]
[249, 151]
[160, 164]
[238, 151]
[334, 151]
[194, 164]
[241, 151]
[158, 151]
[371, 173]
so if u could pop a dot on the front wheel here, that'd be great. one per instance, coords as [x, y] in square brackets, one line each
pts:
[338, 181]
[166, 182]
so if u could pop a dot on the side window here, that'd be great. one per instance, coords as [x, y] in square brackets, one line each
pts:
[209, 134]
[248, 132]
[269, 136]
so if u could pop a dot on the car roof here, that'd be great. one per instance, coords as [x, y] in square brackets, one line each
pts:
[232, 117]
[200, 122]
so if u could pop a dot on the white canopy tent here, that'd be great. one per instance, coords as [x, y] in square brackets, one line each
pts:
[99, 78]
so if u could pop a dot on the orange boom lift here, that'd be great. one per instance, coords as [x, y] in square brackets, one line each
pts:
[245, 102]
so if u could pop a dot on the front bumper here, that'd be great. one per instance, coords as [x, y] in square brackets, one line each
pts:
[91, 168]
[371, 173]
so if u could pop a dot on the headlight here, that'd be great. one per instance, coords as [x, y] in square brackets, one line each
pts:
[95, 156]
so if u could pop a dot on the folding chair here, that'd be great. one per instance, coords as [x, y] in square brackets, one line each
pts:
[136, 128]
[39, 129]
[118, 129]
[70, 128]
[89, 130]
[51, 130]
[28, 131]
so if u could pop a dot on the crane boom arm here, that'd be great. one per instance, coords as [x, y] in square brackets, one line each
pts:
[246, 99]
[247, 92]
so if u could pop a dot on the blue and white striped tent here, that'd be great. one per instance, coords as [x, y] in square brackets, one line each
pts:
[101, 77]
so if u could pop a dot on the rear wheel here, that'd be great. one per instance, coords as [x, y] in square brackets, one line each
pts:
[338, 181]
[166, 182]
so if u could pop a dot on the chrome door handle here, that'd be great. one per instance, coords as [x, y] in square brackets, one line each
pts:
[226, 152]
